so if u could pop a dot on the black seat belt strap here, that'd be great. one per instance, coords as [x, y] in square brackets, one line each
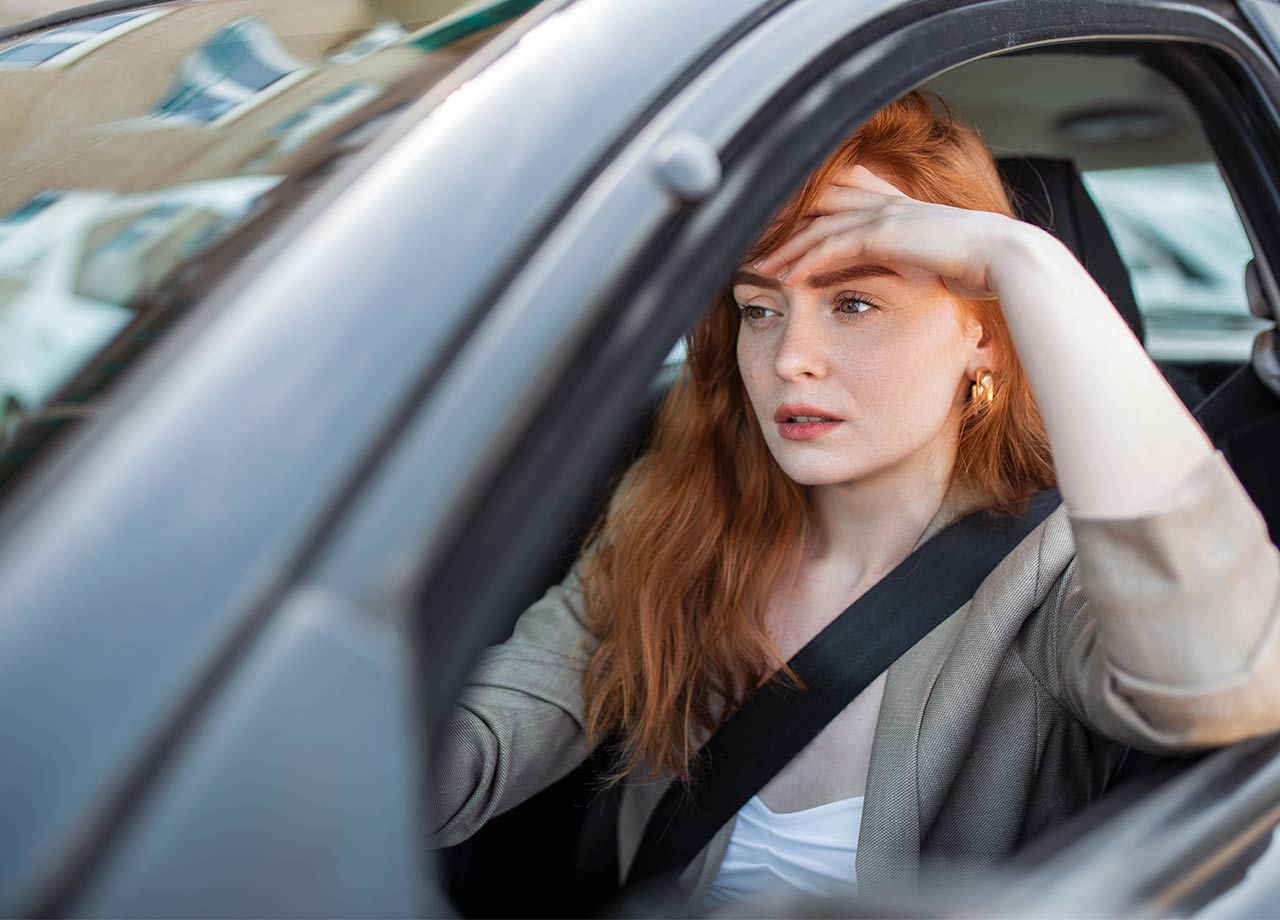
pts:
[1237, 405]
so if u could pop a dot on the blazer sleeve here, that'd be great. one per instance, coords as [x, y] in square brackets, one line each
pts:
[518, 725]
[1165, 628]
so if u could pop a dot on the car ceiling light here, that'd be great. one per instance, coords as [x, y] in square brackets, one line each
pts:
[1117, 125]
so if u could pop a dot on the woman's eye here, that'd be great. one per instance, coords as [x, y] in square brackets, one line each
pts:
[752, 311]
[854, 305]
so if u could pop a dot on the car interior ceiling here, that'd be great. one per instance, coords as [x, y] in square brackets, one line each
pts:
[1015, 101]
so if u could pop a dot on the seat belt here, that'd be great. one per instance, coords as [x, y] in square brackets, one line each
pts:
[758, 740]
[1239, 404]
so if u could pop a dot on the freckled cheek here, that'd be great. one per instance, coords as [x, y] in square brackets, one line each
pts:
[755, 362]
[900, 376]
[871, 373]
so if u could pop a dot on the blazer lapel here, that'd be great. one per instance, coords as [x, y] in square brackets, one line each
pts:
[889, 837]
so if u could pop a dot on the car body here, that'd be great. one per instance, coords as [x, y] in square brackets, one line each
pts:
[249, 551]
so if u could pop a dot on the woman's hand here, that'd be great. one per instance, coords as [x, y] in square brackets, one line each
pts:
[862, 217]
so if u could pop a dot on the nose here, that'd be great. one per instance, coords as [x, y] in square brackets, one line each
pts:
[802, 350]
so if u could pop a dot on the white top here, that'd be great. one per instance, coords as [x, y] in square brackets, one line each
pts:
[810, 851]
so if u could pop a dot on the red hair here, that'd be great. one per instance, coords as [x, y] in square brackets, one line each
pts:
[705, 523]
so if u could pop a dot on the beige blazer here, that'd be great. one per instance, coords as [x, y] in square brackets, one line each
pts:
[1158, 632]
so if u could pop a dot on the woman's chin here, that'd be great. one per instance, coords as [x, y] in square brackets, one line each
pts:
[821, 474]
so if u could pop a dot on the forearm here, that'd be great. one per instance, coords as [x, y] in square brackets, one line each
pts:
[1122, 441]
[1168, 633]
[497, 752]
[518, 726]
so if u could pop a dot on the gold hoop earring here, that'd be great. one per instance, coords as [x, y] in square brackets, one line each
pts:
[983, 390]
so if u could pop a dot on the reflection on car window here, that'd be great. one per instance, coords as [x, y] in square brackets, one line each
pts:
[62, 46]
[133, 142]
[1178, 232]
[228, 69]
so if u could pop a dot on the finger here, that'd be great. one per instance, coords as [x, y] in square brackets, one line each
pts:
[861, 177]
[838, 198]
[756, 261]
[836, 213]
[817, 230]
[853, 197]
[836, 249]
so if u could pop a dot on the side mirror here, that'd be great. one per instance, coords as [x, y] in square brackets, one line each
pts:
[1261, 292]
[1266, 360]
[1266, 347]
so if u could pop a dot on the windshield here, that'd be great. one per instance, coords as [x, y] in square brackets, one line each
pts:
[133, 144]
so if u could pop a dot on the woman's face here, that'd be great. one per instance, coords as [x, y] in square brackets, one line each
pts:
[882, 353]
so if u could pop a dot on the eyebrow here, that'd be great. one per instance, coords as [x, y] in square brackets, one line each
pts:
[822, 280]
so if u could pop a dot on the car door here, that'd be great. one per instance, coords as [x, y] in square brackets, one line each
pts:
[649, 158]
[173, 753]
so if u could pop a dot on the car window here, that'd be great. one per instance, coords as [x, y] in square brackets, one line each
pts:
[1178, 232]
[1146, 161]
[134, 143]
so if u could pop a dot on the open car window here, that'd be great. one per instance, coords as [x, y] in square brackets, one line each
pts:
[1177, 230]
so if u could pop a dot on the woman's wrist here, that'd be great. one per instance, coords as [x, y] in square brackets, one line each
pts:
[1026, 251]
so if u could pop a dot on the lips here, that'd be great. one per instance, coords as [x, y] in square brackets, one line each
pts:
[801, 413]
[799, 422]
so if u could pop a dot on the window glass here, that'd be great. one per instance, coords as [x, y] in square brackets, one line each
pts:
[176, 126]
[59, 47]
[1179, 234]
[33, 52]
[98, 25]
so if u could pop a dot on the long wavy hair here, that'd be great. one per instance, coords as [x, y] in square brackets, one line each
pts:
[704, 524]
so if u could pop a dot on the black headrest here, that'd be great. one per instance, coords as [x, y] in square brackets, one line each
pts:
[1048, 192]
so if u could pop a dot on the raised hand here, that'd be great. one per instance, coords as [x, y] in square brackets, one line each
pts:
[864, 218]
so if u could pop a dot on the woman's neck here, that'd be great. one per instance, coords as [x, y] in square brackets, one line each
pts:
[867, 526]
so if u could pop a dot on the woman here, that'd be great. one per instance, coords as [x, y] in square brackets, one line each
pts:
[896, 352]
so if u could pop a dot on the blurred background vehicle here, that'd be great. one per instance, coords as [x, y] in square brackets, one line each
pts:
[1177, 230]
